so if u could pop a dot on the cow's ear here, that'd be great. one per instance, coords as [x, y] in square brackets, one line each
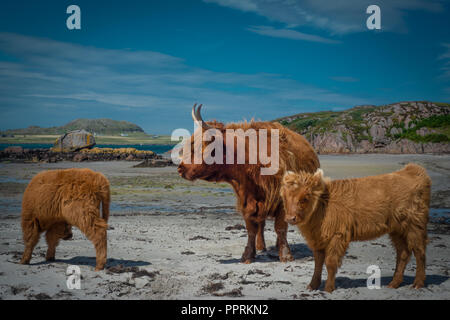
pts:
[319, 173]
[319, 178]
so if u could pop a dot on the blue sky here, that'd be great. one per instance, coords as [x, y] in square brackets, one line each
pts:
[149, 61]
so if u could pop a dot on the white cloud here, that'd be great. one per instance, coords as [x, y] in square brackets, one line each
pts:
[150, 88]
[289, 34]
[336, 17]
[344, 79]
[445, 57]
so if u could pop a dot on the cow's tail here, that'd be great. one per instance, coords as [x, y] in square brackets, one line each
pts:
[105, 197]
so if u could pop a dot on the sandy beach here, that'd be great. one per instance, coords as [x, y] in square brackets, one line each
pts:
[174, 239]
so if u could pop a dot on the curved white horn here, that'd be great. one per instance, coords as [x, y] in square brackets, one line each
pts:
[197, 117]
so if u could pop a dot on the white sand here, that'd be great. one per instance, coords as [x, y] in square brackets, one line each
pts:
[158, 227]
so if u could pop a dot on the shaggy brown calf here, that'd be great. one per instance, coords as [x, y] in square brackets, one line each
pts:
[57, 199]
[330, 214]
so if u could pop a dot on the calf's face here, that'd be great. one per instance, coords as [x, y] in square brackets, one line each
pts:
[300, 193]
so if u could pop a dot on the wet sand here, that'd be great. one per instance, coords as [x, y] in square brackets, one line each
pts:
[173, 239]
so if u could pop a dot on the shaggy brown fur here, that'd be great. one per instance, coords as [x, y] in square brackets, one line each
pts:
[258, 196]
[57, 199]
[330, 214]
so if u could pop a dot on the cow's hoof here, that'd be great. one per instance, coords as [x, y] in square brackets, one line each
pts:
[99, 268]
[394, 284]
[24, 261]
[418, 285]
[50, 259]
[248, 256]
[313, 286]
[247, 260]
[287, 258]
[285, 254]
[329, 289]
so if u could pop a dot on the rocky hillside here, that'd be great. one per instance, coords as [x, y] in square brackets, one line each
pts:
[404, 127]
[98, 126]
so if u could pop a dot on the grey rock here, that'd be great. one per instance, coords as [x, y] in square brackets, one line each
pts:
[74, 141]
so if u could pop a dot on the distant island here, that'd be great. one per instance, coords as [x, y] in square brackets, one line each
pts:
[106, 131]
[95, 126]
[404, 127]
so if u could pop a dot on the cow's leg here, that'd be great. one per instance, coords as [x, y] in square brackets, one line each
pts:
[403, 255]
[96, 232]
[67, 232]
[52, 236]
[334, 253]
[31, 233]
[319, 258]
[260, 243]
[417, 241]
[100, 243]
[281, 228]
[250, 250]
[89, 222]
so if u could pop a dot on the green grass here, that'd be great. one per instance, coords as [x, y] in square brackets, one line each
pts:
[327, 121]
[441, 123]
[432, 137]
[322, 120]
[357, 113]
[434, 121]
[443, 104]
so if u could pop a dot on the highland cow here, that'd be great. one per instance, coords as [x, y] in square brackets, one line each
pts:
[55, 200]
[331, 214]
[258, 195]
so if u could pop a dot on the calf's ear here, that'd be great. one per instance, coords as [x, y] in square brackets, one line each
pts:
[318, 177]
[319, 173]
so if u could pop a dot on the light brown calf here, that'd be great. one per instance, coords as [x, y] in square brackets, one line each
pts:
[331, 214]
[57, 199]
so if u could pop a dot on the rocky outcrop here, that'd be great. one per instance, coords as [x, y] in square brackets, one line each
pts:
[13, 150]
[154, 163]
[395, 128]
[74, 141]
[18, 154]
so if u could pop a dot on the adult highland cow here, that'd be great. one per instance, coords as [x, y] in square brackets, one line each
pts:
[258, 195]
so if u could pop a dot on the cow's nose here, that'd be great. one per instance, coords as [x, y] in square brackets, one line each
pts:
[291, 220]
[181, 171]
